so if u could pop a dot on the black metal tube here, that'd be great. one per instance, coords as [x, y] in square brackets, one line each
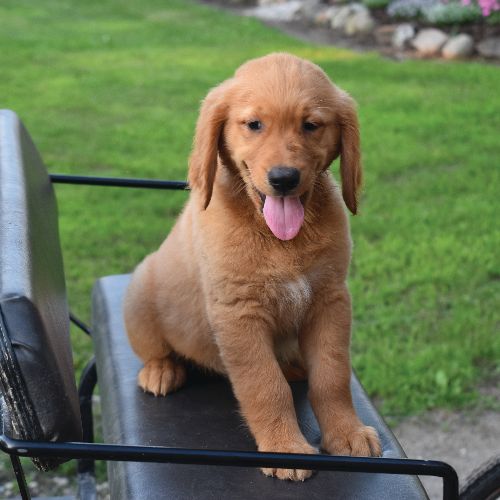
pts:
[117, 182]
[88, 381]
[238, 459]
[21, 479]
[80, 324]
[450, 483]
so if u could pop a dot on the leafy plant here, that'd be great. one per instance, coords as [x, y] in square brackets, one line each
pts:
[436, 11]
[487, 6]
[408, 9]
[494, 17]
[376, 4]
[451, 13]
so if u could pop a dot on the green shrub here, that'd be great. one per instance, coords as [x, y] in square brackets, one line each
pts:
[494, 18]
[408, 9]
[376, 4]
[451, 13]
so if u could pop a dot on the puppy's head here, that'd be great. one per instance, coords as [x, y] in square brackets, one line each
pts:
[279, 122]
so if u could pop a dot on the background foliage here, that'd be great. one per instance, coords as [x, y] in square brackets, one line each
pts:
[113, 88]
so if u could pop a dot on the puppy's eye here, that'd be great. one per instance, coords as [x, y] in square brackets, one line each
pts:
[254, 125]
[309, 126]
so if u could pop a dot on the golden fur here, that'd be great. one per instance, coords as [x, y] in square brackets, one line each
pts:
[226, 293]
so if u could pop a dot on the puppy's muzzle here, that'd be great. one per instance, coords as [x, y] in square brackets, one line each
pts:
[283, 179]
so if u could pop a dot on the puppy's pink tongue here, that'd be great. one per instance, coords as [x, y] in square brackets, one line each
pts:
[284, 216]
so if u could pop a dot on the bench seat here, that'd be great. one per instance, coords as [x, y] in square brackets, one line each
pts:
[204, 415]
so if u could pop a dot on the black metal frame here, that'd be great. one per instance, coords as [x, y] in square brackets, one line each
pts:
[88, 451]
[118, 182]
[160, 454]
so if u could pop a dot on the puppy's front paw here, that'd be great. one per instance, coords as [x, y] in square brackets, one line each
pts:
[357, 441]
[289, 474]
[161, 376]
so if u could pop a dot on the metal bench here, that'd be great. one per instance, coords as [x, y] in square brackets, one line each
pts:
[191, 444]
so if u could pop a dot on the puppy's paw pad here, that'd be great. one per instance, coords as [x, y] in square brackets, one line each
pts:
[359, 441]
[161, 376]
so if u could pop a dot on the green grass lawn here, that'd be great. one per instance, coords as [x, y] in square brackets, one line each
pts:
[113, 88]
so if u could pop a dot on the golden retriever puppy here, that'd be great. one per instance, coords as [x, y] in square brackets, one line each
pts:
[251, 281]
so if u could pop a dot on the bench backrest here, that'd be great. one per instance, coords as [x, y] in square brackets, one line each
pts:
[37, 380]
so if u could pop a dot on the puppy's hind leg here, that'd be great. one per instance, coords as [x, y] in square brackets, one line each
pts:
[162, 372]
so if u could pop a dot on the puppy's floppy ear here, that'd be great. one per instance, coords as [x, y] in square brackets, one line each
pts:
[351, 171]
[209, 127]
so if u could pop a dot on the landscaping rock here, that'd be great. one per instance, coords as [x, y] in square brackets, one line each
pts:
[311, 8]
[360, 23]
[384, 34]
[490, 47]
[269, 2]
[403, 34]
[281, 12]
[353, 19]
[339, 17]
[458, 47]
[428, 42]
[60, 481]
[324, 17]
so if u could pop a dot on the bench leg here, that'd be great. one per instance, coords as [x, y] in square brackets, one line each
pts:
[86, 466]
[21, 479]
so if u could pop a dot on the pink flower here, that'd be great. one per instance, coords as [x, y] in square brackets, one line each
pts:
[486, 6]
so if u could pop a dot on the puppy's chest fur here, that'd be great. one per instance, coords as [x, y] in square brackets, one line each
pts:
[288, 303]
[292, 298]
[272, 281]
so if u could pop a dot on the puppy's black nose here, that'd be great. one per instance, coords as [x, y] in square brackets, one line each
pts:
[283, 179]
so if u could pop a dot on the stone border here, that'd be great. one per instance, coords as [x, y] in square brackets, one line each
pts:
[354, 26]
